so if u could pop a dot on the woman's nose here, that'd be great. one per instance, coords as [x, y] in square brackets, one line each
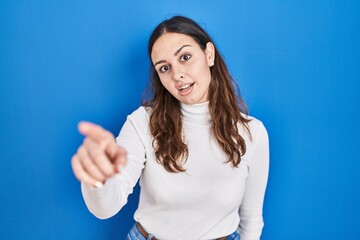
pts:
[178, 74]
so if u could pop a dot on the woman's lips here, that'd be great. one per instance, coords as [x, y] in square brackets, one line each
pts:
[186, 89]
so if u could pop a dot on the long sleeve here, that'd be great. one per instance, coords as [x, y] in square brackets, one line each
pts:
[251, 220]
[109, 199]
[180, 201]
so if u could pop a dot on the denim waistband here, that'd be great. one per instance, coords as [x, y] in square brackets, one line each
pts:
[134, 234]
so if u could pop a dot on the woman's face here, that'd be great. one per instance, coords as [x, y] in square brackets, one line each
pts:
[183, 67]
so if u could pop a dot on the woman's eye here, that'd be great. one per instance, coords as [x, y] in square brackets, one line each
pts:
[164, 68]
[185, 57]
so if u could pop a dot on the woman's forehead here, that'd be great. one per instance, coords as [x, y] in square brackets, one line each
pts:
[169, 43]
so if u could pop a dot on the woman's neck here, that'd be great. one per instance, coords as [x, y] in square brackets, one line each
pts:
[196, 113]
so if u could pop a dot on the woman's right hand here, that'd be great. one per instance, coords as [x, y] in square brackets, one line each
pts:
[99, 157]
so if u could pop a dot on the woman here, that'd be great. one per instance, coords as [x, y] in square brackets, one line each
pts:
[201, 160]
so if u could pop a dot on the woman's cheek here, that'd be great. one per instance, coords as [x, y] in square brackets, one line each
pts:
[168, 85]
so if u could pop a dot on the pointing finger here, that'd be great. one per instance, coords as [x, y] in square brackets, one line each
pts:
[95, 132]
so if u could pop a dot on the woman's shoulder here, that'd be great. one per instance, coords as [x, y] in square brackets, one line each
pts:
[256, 126]
[254, 122]
[138, 120]
[140, 117]
[141, 112]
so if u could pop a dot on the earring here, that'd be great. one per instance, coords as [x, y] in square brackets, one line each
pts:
[212, 64]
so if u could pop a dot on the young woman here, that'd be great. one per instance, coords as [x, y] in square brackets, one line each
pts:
[201, 160]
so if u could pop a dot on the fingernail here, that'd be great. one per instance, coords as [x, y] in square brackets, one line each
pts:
[98, 184]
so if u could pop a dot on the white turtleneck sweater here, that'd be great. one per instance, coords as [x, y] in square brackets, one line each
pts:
[210, 200]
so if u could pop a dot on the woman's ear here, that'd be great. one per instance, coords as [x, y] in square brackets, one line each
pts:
[210, 53]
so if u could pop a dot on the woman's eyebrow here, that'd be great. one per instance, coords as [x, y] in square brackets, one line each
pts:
[175, 54]
[161, 61]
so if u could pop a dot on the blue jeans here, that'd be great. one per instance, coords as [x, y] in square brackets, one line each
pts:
[134, 234]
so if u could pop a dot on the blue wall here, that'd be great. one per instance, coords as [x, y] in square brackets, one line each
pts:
[298, 65]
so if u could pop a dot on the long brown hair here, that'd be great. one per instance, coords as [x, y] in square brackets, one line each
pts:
[227, 109]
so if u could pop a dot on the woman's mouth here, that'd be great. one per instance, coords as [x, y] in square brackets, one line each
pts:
[186, 87]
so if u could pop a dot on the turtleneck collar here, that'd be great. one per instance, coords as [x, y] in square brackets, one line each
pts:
[196, 113]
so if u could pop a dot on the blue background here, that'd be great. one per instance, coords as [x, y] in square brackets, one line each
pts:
[298, 66]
